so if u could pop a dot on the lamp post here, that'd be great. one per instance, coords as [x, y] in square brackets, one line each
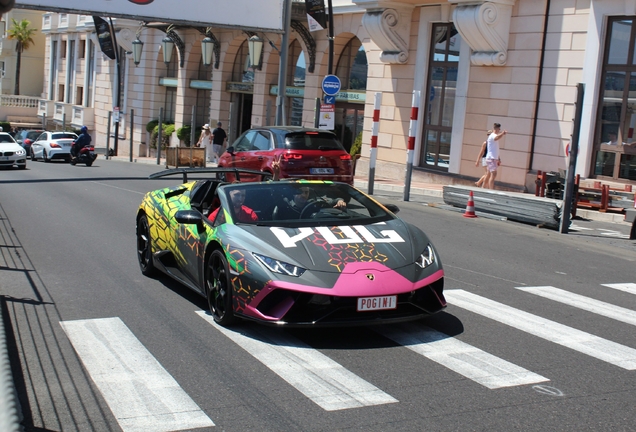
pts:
[207, 48]
[137, 48]
[282, 68]
[167, 46]
[255, 48]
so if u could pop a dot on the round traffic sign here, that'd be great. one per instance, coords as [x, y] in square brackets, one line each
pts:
[330, 85]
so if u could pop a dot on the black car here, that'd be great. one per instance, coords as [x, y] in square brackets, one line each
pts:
[25, 137]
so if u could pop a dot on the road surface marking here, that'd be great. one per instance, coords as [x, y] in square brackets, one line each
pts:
[627, 287]
[473, 363]
[325, 382]
[578, 301]
[141, 394]
[602, 349]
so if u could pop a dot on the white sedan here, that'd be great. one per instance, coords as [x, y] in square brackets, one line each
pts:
[11, 153]
[53, 145]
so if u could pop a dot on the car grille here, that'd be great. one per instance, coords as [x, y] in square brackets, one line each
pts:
[9, 153]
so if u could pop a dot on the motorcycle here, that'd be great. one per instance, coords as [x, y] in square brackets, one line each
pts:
[86, 156]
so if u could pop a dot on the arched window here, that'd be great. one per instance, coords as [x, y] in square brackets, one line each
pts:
[295, 78]
[352, 66]
[242, 71]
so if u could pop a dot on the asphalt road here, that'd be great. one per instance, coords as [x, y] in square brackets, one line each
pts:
[506, 354]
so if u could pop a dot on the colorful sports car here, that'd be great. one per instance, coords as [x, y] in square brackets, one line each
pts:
[288, 252]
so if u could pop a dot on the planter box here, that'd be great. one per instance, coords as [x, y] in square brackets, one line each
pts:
[185, 157]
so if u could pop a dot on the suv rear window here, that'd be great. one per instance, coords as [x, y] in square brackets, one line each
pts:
[312, 141]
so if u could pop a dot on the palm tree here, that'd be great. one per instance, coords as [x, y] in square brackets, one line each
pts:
[23, 36]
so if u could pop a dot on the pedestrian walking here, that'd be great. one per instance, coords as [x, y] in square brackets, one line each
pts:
[492, 155]
[205, 141]
[482, 158]
[219, 138]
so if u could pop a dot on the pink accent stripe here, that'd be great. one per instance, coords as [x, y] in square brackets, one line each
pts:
[353, 282]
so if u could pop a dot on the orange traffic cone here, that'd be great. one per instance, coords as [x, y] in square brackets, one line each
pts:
[470, 207]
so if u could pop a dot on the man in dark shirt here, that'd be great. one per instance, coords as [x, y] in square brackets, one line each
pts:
[219, 137]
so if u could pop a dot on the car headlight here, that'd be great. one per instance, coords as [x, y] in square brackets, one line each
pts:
[279, 266]
[20, 152]
[426, 258]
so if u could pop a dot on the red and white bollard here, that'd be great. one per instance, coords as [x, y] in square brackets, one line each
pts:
[415, 104]
[375, 129]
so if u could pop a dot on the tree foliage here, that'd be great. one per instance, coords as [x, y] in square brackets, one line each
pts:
[22, 33]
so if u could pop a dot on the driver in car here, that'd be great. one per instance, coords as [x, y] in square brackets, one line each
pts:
[302, 198]
[243, 213]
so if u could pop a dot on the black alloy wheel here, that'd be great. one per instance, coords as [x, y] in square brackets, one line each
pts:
[219, 289]
[33, 158]
[144, 250]
[45, 156]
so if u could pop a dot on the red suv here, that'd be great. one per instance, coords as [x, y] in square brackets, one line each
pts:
[310, 154]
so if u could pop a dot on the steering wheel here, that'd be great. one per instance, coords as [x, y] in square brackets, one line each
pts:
[312, 208]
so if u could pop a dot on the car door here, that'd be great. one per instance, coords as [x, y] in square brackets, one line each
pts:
[241, 151]
[261, 152]
[38, 145]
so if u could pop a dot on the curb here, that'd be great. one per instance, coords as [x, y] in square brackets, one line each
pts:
[10, 411]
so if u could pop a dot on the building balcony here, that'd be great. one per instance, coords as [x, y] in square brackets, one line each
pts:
[67, 22]
[49, 22]
[62, 112]
[45, 108]
[82, 116]
[85, 22]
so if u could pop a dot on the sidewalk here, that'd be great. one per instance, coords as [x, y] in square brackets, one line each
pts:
[418, 188]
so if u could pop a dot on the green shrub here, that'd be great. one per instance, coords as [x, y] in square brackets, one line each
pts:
[166, 132]
[356, 147]
[6, 126]
[184, 133]
[151, 125]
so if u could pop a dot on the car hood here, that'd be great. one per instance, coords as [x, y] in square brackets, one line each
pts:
[394, 244]
[10, 147]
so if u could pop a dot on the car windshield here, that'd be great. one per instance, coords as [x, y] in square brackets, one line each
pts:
[33, 134]
[301, 204]
[63, 135]
[312, 141]
[6, 139]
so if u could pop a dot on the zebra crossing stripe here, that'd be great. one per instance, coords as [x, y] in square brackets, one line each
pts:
[627, 287]
[578, 301]
[141, 394]
[594, 346]
[322, 380]
[473, 363]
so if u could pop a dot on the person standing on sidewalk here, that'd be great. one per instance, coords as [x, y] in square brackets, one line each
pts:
[481, 157]
[205, 141]
[219, 138]
[492, 155]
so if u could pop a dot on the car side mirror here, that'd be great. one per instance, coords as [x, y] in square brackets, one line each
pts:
[230, 150]
[188, 217]
[392, 208]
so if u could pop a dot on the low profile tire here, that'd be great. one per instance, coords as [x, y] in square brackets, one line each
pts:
[89, 163]
[219, 289]
[33, 158]
[45, 156]
[144, 250]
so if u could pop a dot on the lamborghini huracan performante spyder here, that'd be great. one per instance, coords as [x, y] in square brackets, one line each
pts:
[288, 252]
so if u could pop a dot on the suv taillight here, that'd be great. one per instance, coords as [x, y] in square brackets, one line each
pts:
[345, 157]
[292, 156]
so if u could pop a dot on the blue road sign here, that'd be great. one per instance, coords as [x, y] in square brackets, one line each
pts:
[330, 100]
[331, 85]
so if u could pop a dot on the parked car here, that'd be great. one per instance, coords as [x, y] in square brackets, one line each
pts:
[344, 259]
[304, 153]
[25, 138]
[11, 153]
[53, 145]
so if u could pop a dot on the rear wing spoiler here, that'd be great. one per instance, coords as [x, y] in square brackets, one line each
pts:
[219, 173]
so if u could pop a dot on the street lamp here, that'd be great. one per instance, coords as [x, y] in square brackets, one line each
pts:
[207, 48]
[255, 48]
[167, 45]
[137, 47]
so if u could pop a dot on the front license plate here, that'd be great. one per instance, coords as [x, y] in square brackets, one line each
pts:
[321, 170]
[4, 157]
[376, 303]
